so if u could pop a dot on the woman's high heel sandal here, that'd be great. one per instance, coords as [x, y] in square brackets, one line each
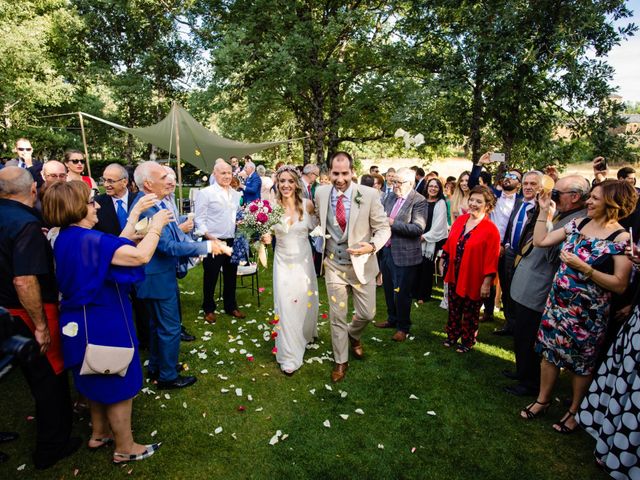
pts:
[528, 414]
[119, 458]
[562, 424]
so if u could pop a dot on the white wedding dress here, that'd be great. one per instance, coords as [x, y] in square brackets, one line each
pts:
[295, 291]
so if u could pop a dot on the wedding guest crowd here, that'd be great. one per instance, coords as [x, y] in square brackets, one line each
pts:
[553, 251]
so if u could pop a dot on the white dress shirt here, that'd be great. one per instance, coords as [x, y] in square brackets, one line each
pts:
[501, 213]
[216, 210]
[528, 205]
[125, 202]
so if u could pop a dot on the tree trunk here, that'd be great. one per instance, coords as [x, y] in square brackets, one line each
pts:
[477, 111]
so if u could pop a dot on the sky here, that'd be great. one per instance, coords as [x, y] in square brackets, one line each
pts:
[625, 58]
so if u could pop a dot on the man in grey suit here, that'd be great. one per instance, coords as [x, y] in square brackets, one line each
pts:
[534, 271]
[402, 254]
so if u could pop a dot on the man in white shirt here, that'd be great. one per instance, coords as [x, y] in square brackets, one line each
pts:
[216, 210]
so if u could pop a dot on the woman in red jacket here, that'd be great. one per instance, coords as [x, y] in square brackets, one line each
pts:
[471, 253]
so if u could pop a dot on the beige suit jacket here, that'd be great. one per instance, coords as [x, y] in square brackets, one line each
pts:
[367, 221]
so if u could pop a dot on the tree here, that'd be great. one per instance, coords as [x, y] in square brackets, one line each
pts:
[517, 69]
[330, 70]
[34, 39]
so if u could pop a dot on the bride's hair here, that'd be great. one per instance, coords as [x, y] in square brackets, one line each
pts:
[297, 195]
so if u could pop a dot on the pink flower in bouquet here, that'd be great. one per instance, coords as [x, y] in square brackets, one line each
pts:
[267, 205]
[253, 207]
[262, 217]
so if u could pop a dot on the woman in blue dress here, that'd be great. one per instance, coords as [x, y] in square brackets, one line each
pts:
[95, 271]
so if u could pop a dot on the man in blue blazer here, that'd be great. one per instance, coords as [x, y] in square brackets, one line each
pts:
[252, 184]
[159, 290]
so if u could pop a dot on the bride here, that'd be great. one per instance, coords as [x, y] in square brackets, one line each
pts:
[295, 288]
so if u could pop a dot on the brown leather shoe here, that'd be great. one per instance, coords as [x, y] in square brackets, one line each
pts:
[210, 317]
[383, 325]
[339, 372]
[399, 336]
[237, 313]
[356, 348]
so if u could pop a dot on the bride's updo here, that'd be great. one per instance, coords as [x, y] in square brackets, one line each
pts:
[295, 175]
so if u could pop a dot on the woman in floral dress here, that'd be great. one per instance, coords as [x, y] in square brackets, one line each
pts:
[575, 317]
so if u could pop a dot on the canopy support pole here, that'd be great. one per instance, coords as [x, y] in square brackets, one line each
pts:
[84, 143]
[179, 168]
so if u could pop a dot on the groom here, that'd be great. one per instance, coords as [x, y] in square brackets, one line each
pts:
[355, 226]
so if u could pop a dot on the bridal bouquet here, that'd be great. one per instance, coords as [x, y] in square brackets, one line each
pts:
[258, 218]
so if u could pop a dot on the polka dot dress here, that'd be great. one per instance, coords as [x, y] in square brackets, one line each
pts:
[610, 412]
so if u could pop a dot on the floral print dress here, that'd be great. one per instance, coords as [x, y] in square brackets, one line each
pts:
[577, 310]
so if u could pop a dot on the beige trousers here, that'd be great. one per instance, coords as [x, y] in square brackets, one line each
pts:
[340, 281]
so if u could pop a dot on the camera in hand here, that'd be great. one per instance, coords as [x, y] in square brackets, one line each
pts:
[14, 346]
[600, 164]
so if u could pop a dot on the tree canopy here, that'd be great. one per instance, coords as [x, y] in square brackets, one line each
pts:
[487, 74]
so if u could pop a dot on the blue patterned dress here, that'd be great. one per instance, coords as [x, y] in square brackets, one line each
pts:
[577, 310]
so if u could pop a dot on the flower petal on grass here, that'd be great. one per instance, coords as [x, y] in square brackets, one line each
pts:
[413, 397]
[21, 467]
[327, 423]
[359, 411]
[432, 413]
[344, 416]
[381, 446]
[238, 392]
[154, 433]
[218, 430]
[328, 387]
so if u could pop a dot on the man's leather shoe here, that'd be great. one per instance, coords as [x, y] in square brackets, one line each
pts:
[178, 382]
[520, 390]
[356, 348]
[383, 325]
[339, 372]
[42, 462]
[502, 332]
[210, 317]
[8, 436]
[237, 313]
[399, 336]
[186, 337]
[510, 374]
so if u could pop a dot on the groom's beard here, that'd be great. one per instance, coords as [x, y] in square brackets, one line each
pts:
[509, 188]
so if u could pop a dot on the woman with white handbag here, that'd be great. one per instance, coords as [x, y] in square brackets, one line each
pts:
[95, 271]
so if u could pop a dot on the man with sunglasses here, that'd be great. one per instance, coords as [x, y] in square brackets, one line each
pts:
[24, 159]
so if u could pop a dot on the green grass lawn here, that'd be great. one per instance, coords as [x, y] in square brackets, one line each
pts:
[460, 425]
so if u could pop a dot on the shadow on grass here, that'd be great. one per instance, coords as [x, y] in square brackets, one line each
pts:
[426, 412]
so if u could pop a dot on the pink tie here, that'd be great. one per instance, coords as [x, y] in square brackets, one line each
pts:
[341, 215]
[394, 211]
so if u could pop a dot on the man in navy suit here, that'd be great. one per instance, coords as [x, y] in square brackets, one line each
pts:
[115, 206]
[252, 184]
[116, 203]
[159, 290]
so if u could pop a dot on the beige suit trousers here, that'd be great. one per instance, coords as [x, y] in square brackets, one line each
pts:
[340, 280]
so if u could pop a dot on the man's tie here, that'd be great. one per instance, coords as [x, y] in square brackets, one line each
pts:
[394, 212]
[519, 224]
[341, 214]
[309, 191]
[122, 214]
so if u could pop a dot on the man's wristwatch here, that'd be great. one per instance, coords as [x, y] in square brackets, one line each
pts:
[373, 245]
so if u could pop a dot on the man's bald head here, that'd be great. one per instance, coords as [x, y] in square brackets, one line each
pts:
[54, 171]
[222, 172]
[17, 184]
